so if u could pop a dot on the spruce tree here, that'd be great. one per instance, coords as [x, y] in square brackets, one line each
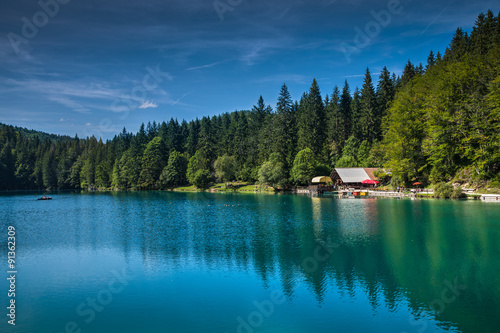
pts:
[345, 115]
[284, 127]
[368, 117]
[312, 123]
[333, 117]
[356, 115]
[384, 97]
[7, 168]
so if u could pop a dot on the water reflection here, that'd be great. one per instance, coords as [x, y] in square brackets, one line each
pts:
[439, 258]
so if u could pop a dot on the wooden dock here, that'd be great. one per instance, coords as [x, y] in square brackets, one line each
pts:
[490, 197]
[360, 193]
[392, 194]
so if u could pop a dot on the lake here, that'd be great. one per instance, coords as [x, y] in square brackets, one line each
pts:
[204, 262]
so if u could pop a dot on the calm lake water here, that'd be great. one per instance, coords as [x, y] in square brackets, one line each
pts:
[201, 262]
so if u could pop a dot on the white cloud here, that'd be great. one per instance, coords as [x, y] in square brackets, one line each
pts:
[147, 104]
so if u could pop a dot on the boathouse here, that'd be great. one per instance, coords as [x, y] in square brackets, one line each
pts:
[351, 177]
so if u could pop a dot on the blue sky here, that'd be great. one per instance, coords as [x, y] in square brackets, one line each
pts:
[92, 67]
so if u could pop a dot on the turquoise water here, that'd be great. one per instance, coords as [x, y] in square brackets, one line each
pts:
[201, 262]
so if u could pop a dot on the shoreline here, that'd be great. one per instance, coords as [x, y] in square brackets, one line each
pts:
[369, 194]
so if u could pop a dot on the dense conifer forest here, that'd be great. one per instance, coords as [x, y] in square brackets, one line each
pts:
[437, 122]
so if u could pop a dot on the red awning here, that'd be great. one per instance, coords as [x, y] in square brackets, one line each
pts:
[369, 181]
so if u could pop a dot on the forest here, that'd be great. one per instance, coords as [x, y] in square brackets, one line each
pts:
[438, 122]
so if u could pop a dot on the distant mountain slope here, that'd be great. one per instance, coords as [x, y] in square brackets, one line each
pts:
[33, 133]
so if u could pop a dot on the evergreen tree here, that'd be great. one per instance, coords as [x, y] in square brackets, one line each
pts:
[431, 60]
[459, 45]
[356, 114]
[385, 95]
[311, 125]
[369, 115]
[409, 73]
[141, 138]
[332, 114]
[345, 115]
[283, 124]
[206, 140]
[49, 166]
[7, 168]
[192, 139]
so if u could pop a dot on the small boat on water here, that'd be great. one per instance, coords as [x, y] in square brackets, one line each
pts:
[45, 198]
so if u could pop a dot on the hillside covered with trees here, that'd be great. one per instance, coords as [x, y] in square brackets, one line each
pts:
[437, 122]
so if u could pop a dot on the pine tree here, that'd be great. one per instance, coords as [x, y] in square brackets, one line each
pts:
[345, 115]
[332, 114]
[192, 140]
[409, 73]
[49, 166]
[431, 60]
[284, 122]
[172, 138]
[356, 115]
[311, 125]
[141, 138]
[7, 168]
[385, 95]
[459, 45]
[206, 140]
[479, 36]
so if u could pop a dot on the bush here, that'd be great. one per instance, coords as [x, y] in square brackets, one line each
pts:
[458, 194]
[443, 190]
[494, 184]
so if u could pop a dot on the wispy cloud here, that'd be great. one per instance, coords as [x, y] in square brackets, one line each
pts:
[178, 100]
[440, 13]
[69, 103]
[64, 88]
[360, 75]
[78, 96]
[285, 78]
[255, 53]
[204, 66]
[147, 104]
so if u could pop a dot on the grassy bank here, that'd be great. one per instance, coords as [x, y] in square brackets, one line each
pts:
[228, 187]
